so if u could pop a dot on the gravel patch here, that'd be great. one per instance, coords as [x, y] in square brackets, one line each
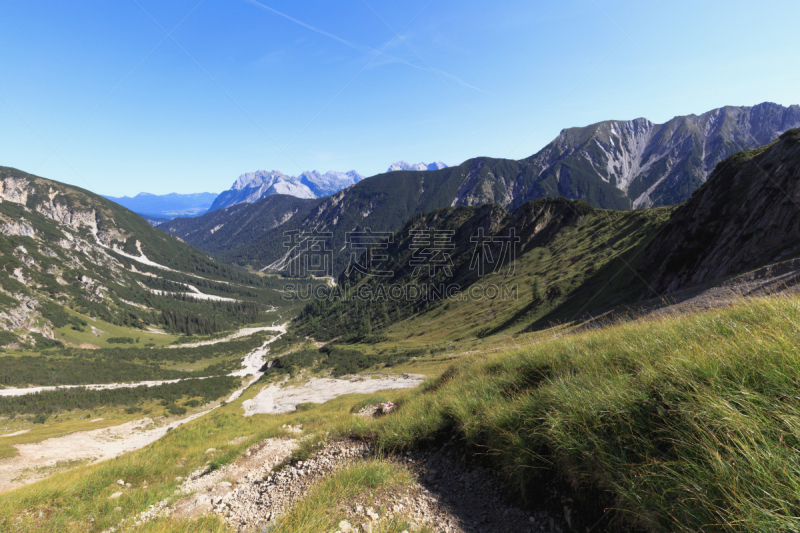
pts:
[275, 399]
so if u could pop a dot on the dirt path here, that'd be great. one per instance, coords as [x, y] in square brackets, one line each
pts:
[449, 494]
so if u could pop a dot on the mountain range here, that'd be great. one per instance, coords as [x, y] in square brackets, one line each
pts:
[610, 165]
[62, 243]
[644, 164]
[253, 186]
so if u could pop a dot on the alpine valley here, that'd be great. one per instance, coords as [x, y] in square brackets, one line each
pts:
[607, 341]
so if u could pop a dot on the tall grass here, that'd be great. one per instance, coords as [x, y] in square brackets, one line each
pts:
[688, 423]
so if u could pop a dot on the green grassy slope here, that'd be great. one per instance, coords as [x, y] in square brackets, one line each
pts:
[572, 259]
[679, 424]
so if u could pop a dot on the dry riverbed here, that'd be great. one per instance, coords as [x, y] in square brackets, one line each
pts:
[277, 399]
[41, 459]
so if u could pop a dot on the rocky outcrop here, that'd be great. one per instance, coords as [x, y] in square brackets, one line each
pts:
[656, 164]
[19, 228]
[746, 215]
[14, 190]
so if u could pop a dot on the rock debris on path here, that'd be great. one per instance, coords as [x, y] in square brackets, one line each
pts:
[449, 496]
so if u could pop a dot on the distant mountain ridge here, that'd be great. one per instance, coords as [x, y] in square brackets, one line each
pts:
[253, 186]
[402, 165]
[166, 206]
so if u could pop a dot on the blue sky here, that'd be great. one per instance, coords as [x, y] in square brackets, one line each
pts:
[241, 85]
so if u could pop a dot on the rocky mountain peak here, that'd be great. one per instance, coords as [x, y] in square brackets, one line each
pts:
[402, 165]
[253, 186]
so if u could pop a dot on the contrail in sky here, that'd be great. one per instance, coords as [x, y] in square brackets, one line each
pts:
[358, 47]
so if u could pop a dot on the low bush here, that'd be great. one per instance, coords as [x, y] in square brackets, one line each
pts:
[120, 340]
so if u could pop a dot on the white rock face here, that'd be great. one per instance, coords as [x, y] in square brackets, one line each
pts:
[402, 165]
[329, 183]
[253, 186]
[262, 183]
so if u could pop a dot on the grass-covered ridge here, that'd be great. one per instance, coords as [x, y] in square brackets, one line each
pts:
[687, 424]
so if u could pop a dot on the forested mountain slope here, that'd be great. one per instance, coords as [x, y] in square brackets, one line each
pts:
[242, 224]
[67, 252]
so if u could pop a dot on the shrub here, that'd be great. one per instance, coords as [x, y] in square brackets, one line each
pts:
[120, 340]
[176, 410]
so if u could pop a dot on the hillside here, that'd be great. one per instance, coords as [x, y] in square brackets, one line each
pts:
[611, 165]
[66, 250]
[565, 253]
[570, 258]
[746, 215]
[240, 225]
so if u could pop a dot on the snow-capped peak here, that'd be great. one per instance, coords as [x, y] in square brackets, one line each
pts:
[402, 165]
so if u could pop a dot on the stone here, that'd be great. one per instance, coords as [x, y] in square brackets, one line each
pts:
[120, 482]
[115, 496]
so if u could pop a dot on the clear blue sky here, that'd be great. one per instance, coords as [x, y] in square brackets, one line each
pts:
[129, 110]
